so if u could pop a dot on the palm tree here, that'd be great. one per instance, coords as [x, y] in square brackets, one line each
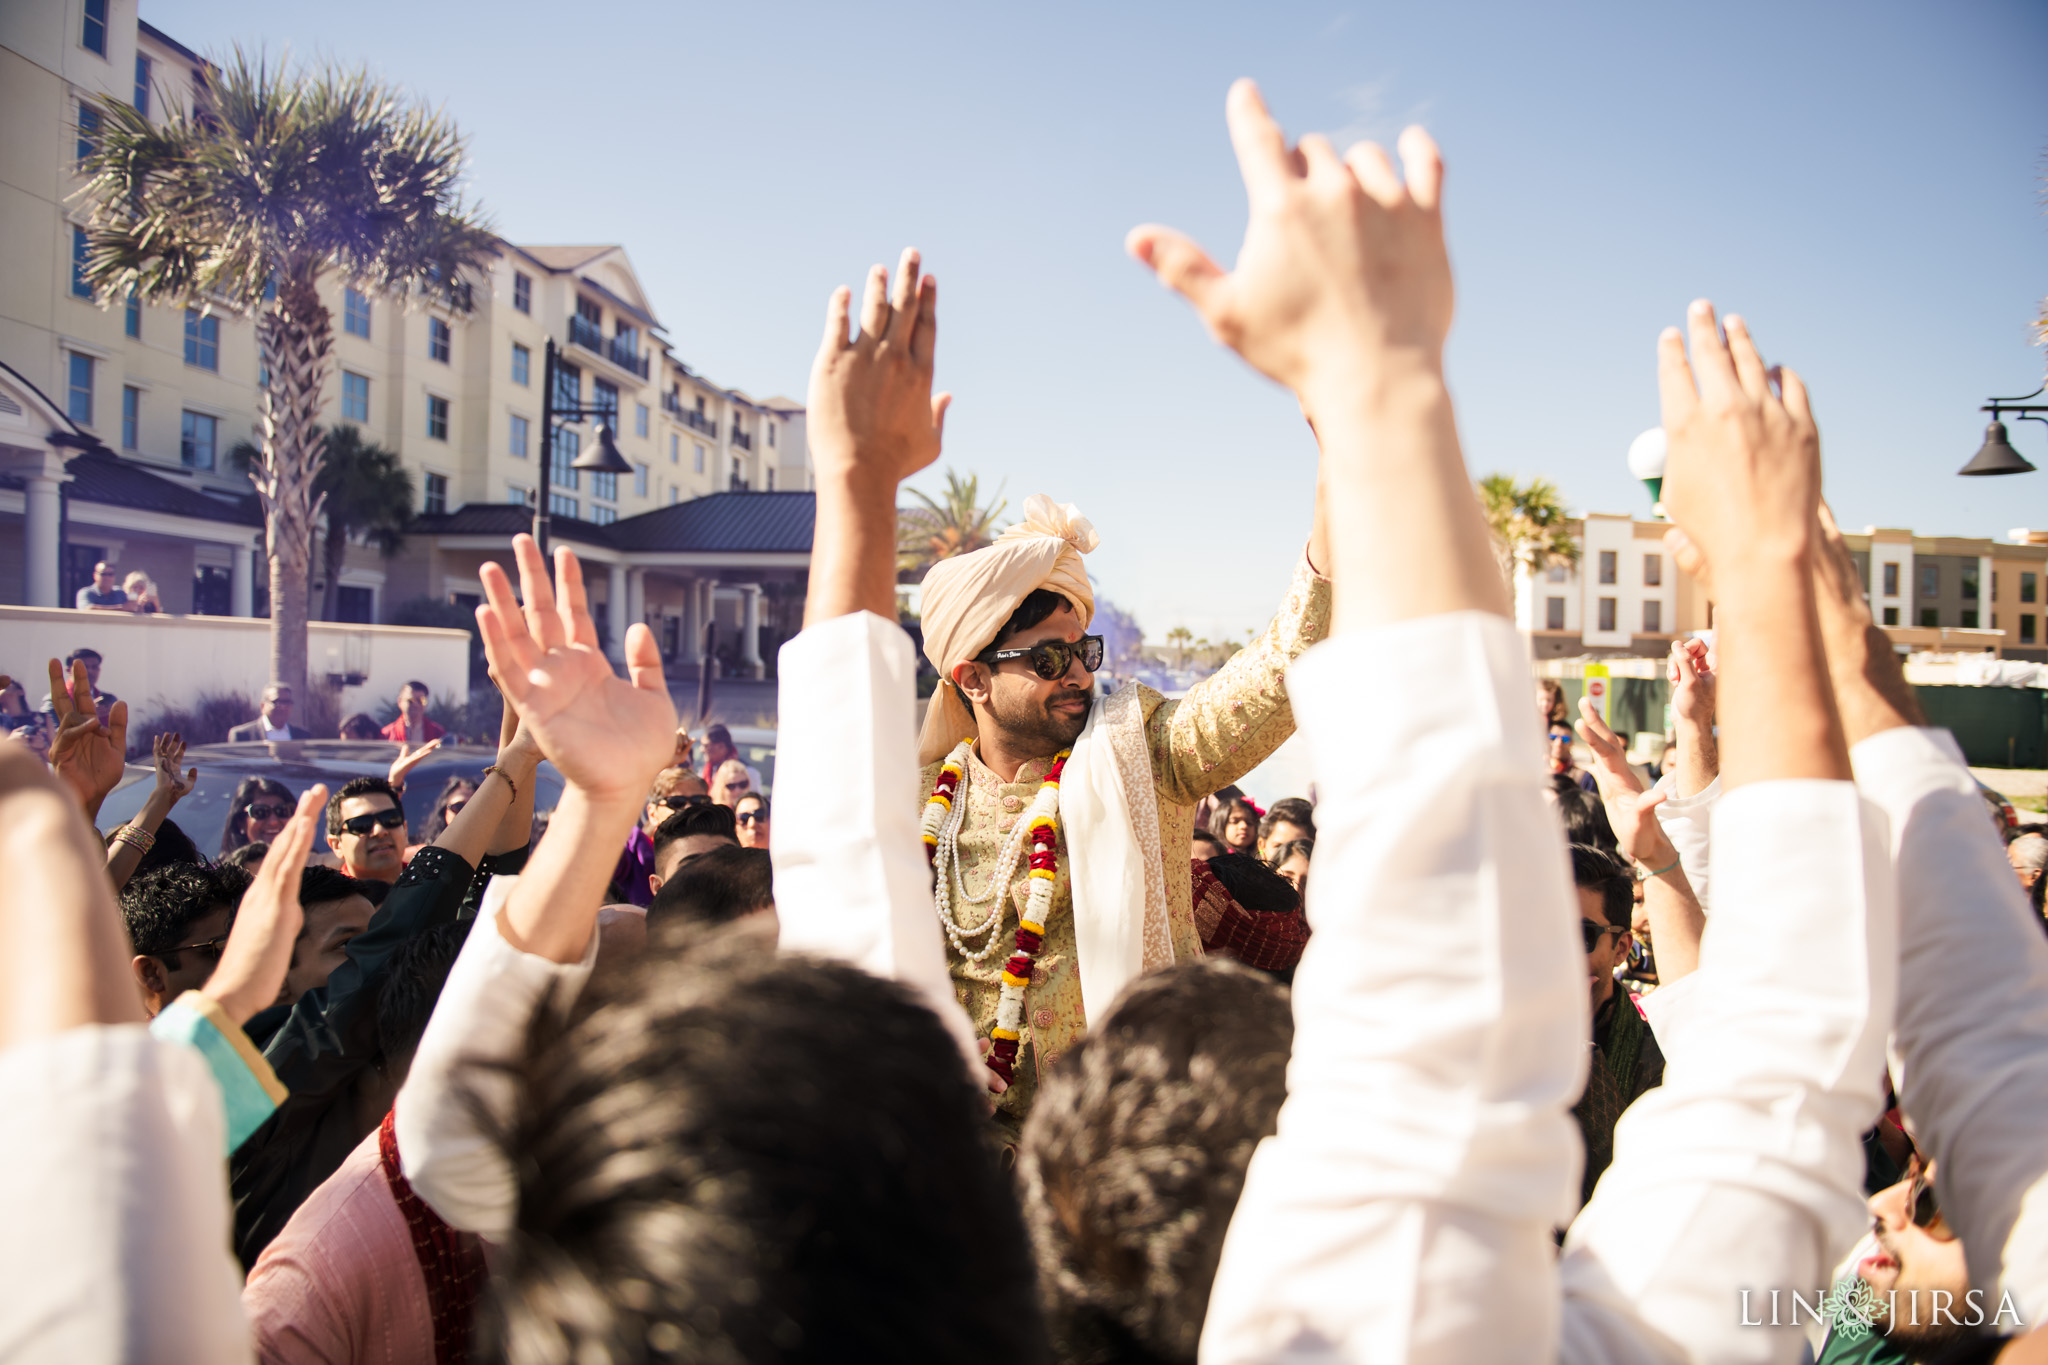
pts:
[363, 490]
[954, 523]
[1528, 523]
[1180, 637]
[275, 179]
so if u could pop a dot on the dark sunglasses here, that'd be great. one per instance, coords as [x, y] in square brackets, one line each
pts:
[1926, 1210]
[681, 802]
[269, 812]
[362, 824]
[1595, 931]
[1053, 658]
[751, 817]
[1561, 736]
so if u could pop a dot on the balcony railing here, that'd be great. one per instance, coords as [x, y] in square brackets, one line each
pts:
[621, 351]
[625, 352]
[586, 333]
[741, 439]
[689, 417]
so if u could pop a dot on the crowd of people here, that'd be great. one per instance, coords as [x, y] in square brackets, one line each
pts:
[996, 1074]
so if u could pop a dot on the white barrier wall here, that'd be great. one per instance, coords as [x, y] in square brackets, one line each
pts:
[176, 658]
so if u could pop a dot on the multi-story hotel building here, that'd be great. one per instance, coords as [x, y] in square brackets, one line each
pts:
[117, 419]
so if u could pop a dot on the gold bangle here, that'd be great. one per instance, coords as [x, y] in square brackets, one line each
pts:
[137, 838]
[502, 777]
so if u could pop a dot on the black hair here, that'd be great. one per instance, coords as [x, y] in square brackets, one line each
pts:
[426, 695]
[412, 985]
[719, 733]
[1135, 1154]
[361, 725]
[716, 888]
[706, 819]
[83, 653]
[437, 816]
[235, 832]
[173, 847]
[1281, 853]
[1609, 873]
[1219, 819]
[319, 885]
[1252, 884]
[1289, 810]
[356, 786]
[1038, 604]
[714, 1167]
[161, 905]
[1204, 836]
[248, 853]
[1585, 817]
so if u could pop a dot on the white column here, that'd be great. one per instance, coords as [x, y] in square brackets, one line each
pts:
[42, 529]
[242, 581]
[750, 628]
[686, 635]
[615, 612]
[636, 596]
[707, 612]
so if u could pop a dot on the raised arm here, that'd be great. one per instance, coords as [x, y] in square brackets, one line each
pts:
[125, 853]
[1676, 921]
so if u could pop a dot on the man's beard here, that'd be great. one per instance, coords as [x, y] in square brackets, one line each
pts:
[1038, 729]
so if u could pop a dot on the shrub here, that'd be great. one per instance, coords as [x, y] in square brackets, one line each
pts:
[206, 720]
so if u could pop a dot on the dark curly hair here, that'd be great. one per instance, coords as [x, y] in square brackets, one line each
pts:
[1609, 873]
[1135, 1154]
[161, 905]
[714, 1167]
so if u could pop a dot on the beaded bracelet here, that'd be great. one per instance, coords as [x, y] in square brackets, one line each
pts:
[1643, 874]
[502, 777]
[137, 838]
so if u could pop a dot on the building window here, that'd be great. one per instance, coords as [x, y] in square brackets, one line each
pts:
[522, 364]
[517, 496]
[639, 480]
[568, 386]
[131, 323]
[1607, 613]
[1653, 618]
[519, 437]
[1553, 613]
[88, 130]
[439, 340]
[1555, 573]
[771, 435]
[437, 418]
[522, 294]
[562, 468]
[1891, 616]
[1930, 580]
[699, 457]
[1930, 619]
[604, 486]
[142, 85]
[639, 419]
[355, 397]
[355, 313]
[675, 448]
[1970, 583]
[1969, 618]
[2028, 583]
[589, 311]
[436, 500]
[78, 390]
[355, 604]
[131, 417]
[674, 495]
[78, 282]
[2027, 629]
[1653, 571]
[198, 437]
[769, 475]
[605, 398]
[737, 483]
[603, 516]
[1607, 567]
[93, 37]
[559, 506]
[1891, 579]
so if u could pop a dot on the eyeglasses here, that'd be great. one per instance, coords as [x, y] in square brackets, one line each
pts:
[1052, 658]
[1595, 931]
[269, 812]
[681, 802]
[360, 825]
[1561, 736]
[212, 945]
[751, 817]
[1926, 1210]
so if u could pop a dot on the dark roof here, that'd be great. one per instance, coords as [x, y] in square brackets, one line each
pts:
[734, 523]
[168, 41]
[727, 523]
[111, 481]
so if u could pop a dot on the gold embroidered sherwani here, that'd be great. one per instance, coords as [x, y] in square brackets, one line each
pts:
[1226, 725]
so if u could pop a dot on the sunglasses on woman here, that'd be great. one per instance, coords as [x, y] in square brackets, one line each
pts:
[751, 817]
[269, 812]
[1051, 659]
[360, 825]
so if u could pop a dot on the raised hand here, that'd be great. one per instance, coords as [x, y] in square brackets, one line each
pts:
[1630, 810]
[408, 759]
[871, 409]
[169, 752]
[259, 948]
[1690, 671]
[1343, 271]
[87, 755]
[606, 734]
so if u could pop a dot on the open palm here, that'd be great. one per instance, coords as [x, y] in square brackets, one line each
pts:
[606, 734]
[88, 755]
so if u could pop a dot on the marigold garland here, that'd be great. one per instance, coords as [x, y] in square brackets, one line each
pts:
[944, 813]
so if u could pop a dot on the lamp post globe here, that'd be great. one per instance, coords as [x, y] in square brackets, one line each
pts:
[1646, 456]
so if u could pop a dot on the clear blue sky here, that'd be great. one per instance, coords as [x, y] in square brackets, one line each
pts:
[1861, 180]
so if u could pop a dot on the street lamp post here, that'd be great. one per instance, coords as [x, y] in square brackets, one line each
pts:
[1646, 457]
[1996, 455]
[599, 456]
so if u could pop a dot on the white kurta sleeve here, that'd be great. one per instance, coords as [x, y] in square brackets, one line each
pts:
[116, 1198]
[1972, 1039]
[1403, 1209]
[1685, 820]
[851, 878]
[482, 1016]
[1743, 1170]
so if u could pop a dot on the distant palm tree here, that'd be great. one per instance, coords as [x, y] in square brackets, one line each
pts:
[954, 523]
[363, 490]
[275, 179]
[1180, 637]
[1528, 523]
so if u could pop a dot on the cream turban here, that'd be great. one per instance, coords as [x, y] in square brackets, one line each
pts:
[968, 598]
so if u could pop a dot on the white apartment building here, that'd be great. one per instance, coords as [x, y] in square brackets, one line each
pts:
[116, 422]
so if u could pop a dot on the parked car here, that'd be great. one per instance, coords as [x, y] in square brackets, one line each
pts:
[298, 764]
